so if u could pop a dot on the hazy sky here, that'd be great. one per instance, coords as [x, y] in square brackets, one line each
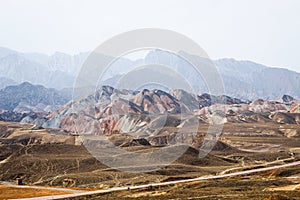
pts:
[265, 31]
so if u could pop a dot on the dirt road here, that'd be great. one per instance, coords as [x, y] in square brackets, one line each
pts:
[163, 183]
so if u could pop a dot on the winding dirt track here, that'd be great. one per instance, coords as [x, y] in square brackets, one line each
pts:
[163, 183]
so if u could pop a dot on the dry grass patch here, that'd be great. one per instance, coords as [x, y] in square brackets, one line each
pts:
[8, 192]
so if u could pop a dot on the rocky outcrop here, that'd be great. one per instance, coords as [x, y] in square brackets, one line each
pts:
[187, 99]
[286, 118]
[287, 98]
[295, 108]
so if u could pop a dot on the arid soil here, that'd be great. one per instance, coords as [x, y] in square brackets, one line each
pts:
[254, 187]
[8, 192]
[54, 158]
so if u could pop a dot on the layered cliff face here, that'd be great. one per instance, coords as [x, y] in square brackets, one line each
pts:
[149, 112]
[112, 111]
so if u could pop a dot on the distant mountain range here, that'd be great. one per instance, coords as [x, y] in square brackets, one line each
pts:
[56, 71]
[26, 98]
[4, 82]
[242, 79]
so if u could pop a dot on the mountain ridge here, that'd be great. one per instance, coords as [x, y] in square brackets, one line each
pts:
[26, 97]
[242, 79]
[112, 111]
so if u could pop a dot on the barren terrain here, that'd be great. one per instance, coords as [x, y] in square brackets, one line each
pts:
[54, 158]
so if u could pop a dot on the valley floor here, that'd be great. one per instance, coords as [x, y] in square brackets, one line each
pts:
[53, 159]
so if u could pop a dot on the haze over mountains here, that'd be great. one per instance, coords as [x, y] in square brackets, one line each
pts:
[56, 71]
[242, 79]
